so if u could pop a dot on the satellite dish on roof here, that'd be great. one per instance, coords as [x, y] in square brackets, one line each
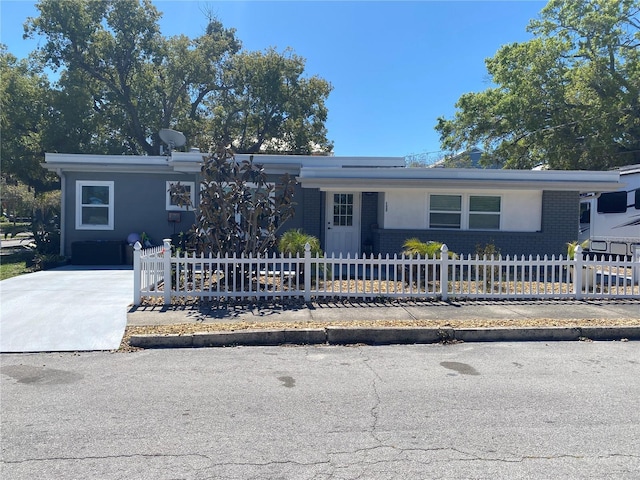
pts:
[173, 138]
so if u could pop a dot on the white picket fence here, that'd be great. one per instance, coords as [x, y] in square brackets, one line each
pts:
[159, 274]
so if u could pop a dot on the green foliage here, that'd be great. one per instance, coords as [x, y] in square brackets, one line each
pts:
[569, 97]
[489, 250]
[269, 106]
[24, 105]
[17, 200]
[571, 248]
[293, 242]
[415, 246]
[121, 81]
[46, 224]
[239, 211]
[46, 261]
[490, 274]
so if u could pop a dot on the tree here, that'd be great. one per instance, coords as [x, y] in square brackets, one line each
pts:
[17, 200]
[24, 117]
[267, 106]
[569, 98]
[138, 81]
[239, 212]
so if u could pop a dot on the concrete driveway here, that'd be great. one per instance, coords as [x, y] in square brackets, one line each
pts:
[65, 309]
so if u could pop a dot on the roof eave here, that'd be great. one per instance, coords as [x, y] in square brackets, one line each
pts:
[368, 185]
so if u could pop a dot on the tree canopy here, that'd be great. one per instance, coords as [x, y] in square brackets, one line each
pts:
[119, 81]
[25, 97]
[568, 98]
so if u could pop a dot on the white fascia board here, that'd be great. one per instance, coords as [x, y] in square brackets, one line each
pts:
[78, 158]
[297, 162]
[64, 162]
[383, 178]
[72, 167]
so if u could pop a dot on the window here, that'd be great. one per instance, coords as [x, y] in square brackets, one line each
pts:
[343, 209]
[445, 211]
[484, 213]
[94, 205]
[585, 212]
[186, 187]
[613, 202]
[464, 212]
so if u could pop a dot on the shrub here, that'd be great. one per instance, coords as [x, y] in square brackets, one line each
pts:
[487, 273]
[293, 242]
[571, 248]
[415, 246]
[431, 249]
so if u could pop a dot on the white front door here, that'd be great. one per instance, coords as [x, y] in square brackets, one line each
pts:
[342, 223]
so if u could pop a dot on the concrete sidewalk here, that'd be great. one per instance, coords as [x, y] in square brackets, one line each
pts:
[356, 322]
[402, 311]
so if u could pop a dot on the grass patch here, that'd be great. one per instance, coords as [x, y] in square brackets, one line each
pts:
[14, 264]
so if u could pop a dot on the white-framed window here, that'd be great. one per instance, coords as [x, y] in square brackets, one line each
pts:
[445, 211]
[484, 212]
[189, 187]
[465, 212]
[94, 205]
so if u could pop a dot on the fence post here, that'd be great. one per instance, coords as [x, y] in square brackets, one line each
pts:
[444, 272]
[137, 273]
[307, 272]
[635, 279]
[166, 256]
[577, 272]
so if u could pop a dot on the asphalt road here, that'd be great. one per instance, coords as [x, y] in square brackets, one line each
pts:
[481, 411]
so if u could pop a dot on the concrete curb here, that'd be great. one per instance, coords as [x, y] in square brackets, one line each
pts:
[383, 336]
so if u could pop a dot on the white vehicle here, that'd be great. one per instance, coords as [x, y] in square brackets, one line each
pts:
[611, 221]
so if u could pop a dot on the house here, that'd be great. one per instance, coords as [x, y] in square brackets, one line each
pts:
[353, 204]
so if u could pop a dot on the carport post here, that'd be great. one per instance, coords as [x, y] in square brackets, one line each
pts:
[166, 255]
[137, 248]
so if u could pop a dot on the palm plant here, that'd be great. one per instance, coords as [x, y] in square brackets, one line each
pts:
[293, 242]
[415, 246]
[430, 249]
[572, 246]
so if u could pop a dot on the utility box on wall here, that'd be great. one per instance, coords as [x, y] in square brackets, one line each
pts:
[97, 252]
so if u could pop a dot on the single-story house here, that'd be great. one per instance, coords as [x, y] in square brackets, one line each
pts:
[352, 204]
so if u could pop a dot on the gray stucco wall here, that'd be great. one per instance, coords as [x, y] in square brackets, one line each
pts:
[560, 216]
[139, 206]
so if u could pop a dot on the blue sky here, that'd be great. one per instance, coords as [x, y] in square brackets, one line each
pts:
[395, 67]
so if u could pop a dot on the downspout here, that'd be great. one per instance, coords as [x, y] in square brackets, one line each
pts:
[63, 213]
